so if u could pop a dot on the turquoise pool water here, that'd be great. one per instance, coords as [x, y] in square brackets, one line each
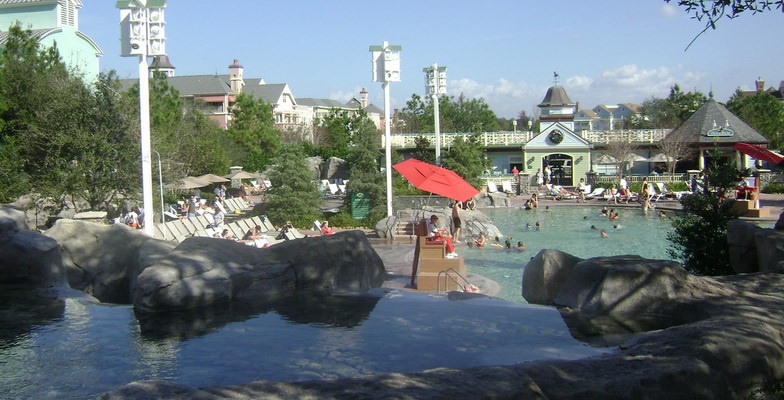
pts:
[567, 229]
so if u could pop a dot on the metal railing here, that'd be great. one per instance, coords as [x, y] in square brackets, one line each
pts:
[448, 275]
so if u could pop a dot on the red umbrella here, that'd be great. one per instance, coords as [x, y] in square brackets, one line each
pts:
[758, 152]
[434, 179]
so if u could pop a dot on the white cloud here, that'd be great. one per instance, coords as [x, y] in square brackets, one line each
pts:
[668, 10]
[625, 84]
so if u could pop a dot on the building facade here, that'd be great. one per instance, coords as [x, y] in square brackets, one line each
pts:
[54, 22]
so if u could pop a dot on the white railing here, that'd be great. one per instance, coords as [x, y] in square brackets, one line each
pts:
[488, 139]
[513, 139]
[630, 135]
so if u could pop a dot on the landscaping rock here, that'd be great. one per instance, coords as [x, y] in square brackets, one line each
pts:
[545, 274]
[102, 260]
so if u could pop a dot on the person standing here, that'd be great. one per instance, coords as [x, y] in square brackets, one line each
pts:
[547, 174]
[539, 178]
[456, 221]
[515, 172]
[624, 188]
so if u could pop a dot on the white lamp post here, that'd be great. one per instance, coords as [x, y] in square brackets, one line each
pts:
[142, 34]
[386, 68]
[435, 85]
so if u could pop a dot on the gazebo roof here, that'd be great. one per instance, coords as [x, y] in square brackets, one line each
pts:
[556, 96]
[713, 122]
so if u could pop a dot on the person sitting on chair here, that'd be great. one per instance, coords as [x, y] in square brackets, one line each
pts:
[325, 229]
[434, 235]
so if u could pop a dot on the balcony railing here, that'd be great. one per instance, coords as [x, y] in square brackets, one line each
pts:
[516, 139]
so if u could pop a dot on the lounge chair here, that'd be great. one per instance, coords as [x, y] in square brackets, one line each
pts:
[333, 189]
[597, 193]
[506, 186]
[317, 228]
[654, 195]
[492, 187]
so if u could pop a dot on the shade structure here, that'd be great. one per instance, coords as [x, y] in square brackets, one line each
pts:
[436, 180]
[212, 178]
[758, 152]
[661, 157]
[241, 175]
[189, 182]
[605, 159]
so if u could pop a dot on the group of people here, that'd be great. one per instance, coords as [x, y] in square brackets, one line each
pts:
[133, 218]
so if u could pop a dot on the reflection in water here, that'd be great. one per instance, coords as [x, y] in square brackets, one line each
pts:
[89, 349]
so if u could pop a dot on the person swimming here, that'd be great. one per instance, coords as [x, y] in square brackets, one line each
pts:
[603, 233]
[520, 246]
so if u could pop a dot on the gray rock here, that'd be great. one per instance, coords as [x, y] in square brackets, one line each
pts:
[314, 164]
[341, 263]
[545, 275]
[12, 220]
[770, 249]
[31, 259]
[102, 260]
[204, 271]
[742, 246]
[334, 168]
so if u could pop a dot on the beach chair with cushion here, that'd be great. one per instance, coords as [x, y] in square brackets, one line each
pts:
[492, 187]
[506, 186]
[596, 194]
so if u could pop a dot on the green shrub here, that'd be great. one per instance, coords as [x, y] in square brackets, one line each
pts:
[679, 186]
[774, 188]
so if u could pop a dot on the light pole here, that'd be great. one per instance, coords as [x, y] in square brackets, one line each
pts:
[386, 68]
[142, 34]
[435, 85]
[160, 184]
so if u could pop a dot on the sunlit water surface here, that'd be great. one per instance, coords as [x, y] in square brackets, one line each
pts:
[567, 229]
[73, 350]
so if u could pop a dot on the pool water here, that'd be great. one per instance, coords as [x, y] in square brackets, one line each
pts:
[567, 229]
[75, 350]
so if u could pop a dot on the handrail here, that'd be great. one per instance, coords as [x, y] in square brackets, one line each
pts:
[448, 275]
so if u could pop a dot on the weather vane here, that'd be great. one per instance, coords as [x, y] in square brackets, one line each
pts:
[555, 78]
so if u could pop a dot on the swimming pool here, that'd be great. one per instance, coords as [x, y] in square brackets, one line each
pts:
[567, 229]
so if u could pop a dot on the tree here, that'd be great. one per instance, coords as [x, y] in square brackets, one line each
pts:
[673, 151]
[422, 150]
[189, 144]
[340, 130]
[364, 173]
[253, 128]
[621, 149]
[293, 196]
[672, 111]
[467, 159]
[699, 238]
[713, 10]
[763, 112]
[457, 115]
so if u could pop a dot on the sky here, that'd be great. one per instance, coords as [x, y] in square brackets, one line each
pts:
[503, 51]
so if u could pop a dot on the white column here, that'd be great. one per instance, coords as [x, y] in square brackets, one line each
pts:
[388, 149]
[437, 126]
[144, 116]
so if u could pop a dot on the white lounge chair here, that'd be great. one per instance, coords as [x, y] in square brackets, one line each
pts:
[506, 186]
[491, 187]
[333, 189]
[597, 193]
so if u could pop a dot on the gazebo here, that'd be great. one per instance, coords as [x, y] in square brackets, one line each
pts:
[713, 125]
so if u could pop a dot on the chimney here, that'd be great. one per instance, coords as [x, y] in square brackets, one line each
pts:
[760, 84]
[363, 97]
[235, 77]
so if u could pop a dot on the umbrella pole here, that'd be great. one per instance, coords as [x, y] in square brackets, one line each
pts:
[415, 263]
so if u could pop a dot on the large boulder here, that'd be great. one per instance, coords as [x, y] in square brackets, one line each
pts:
[31, 259]
[545, 275]
[205, 271]
[27, 258]
[770, 250]
[334, 168]
[341, 263]
[102, 260]
[742, 246]
[314, 165]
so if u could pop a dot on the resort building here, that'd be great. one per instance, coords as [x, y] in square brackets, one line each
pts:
[54, 22]
[217, 93]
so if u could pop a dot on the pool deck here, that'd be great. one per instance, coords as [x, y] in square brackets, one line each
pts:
[398, 255]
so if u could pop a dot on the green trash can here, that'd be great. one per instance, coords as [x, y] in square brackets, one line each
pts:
[360, 205]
